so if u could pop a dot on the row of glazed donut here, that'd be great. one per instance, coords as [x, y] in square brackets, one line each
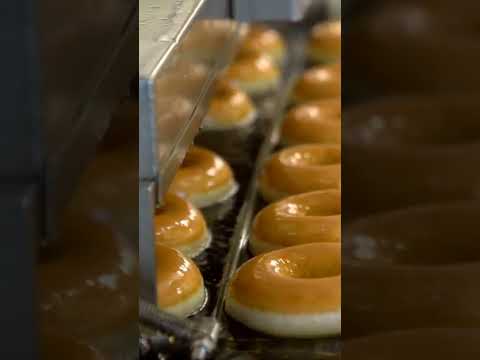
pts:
[291, 288]
[204, 178]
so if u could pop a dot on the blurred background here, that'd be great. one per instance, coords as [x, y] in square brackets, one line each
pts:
[411, 179]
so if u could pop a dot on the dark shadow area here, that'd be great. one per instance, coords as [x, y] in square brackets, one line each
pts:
[411, 179]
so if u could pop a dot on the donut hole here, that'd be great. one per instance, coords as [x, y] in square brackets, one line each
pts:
[303, 268]
[437, 237]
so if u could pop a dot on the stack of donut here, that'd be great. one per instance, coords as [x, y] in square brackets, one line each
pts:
[291, 287]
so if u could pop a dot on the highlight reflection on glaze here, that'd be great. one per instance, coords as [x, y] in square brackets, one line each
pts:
[300, 219]
[304, 168]
[177, 277]
[299, 279]
[178, 222]
[201, 171]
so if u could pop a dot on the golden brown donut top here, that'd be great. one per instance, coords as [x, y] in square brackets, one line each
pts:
[295, 280]
[201, 171]
[304, 168]
[300, 219]
[229, 104]
[178, 277]
[252, 67]
[260, 39]
[317, 122]
[178, 222]
[326, 38]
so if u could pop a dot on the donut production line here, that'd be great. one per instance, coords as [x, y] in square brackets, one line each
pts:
[183, 46]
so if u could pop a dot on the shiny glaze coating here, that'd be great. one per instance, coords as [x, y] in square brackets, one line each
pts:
[296, 280]
[325, 43]
[316, 122]
[201, 171]
[229, 105]
[178, 222]
[178, 278]
[302, 168]
[300, 219]
[260, 39]
[318, 82]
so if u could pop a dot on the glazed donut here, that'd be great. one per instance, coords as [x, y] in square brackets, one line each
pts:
[418, 344]
[229, 108]
[254, 74]
[291, 292]
[88, 280]
[299, 219]
[425, 260]
[55, 347]
[300, 169]
[325, 43]
[260, 39]
[180, 289]
[316, 122]
[179, 225]
[317, 83]
[204, 178]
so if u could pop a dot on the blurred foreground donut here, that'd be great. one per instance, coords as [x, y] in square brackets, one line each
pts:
[325, 43]
[315, 122]
[260, 39]
[254, 74]
[317, 83]
[292, 292]
[229, 108]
